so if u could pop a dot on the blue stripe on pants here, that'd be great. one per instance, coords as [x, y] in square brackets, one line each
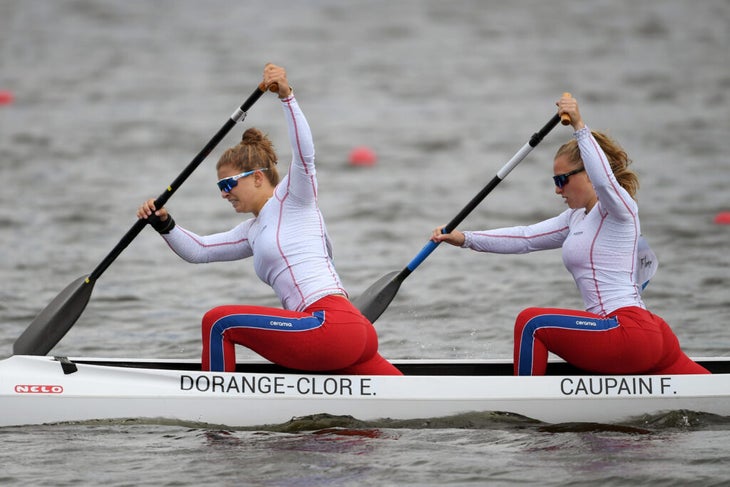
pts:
[258, 322]
[563, 322]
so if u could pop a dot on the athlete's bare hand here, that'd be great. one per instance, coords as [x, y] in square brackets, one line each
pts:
[456, 237]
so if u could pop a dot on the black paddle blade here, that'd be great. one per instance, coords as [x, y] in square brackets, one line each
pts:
[377, 297]
[55, 320]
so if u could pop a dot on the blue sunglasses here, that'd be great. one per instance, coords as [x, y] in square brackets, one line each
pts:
[227, 184]
[562, 179]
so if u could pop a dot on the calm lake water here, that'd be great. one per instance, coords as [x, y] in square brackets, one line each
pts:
[113, 99]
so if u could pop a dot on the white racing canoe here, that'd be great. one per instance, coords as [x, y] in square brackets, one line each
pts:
[41, 389]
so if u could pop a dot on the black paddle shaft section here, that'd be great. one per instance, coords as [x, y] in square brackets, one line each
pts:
[162, 199]
[534, 140]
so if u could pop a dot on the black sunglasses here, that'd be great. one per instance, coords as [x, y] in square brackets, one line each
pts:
[562, 179]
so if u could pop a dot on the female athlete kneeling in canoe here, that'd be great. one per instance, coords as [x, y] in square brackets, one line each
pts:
[319, 329]
[600, 236]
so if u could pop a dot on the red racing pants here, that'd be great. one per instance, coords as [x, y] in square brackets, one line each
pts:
[629, 341]
[330, 335]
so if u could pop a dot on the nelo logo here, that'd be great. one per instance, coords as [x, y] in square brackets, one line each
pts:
[38, 389]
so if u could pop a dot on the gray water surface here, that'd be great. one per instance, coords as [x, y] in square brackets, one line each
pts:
[113, 99]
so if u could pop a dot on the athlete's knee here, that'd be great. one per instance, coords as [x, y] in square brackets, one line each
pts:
[528, 313]
[524, 317]
[213, 315]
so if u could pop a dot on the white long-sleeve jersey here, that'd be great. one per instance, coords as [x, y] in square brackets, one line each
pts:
[599, 248]
[288, 239]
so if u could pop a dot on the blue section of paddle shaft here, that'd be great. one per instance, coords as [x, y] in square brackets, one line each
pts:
[425, 252]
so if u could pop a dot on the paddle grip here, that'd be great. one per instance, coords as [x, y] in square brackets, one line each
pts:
[273, 87]
[565, 118]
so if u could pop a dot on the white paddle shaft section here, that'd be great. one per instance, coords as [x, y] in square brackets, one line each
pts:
[238, 115]
[516, 159]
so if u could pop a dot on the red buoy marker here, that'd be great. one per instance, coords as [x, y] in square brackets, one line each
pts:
[723, 218]
[362, 156]
[6, 97]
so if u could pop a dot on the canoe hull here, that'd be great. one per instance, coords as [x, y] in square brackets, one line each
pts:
[37, 390]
